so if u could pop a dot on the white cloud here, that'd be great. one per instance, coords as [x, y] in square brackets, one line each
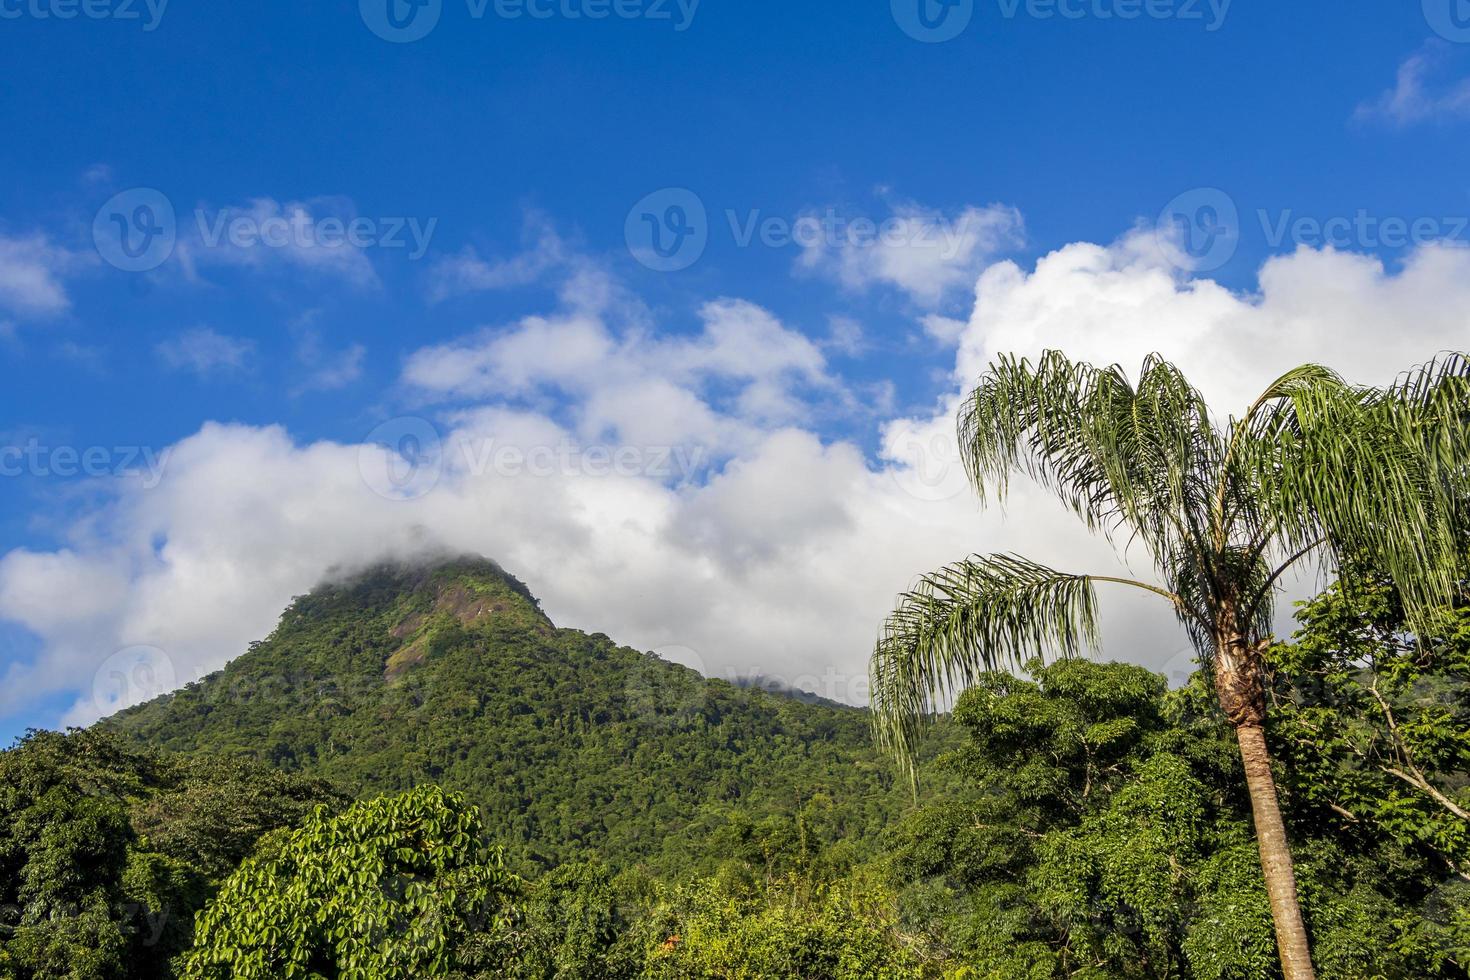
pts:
[328, 370]
[317, 237]
[946, 330]
[205, 351]
[782, 559]
[32, 270]
[1118, 304]
[625, 382]
[846, 336]
[467, 272]
[919, 251]
[1421, 92]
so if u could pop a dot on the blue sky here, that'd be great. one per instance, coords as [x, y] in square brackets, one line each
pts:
[493, 168]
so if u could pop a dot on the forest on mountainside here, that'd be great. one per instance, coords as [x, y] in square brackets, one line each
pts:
[572, 746]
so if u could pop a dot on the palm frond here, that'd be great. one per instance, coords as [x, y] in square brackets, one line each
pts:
[966, 618]
[1119, 456]
[1375, 472]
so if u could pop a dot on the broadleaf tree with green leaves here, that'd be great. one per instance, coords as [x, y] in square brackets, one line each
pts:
[395, 888]
[1316, 469]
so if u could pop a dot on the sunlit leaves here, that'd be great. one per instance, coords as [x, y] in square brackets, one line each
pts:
[389, 889]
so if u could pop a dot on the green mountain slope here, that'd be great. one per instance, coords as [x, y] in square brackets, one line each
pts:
[572, 745]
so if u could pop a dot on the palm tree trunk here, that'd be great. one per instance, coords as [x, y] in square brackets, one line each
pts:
[1240, 684]
[1276, 865]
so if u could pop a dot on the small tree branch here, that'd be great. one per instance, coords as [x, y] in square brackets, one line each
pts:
[1419, 782]
[1417, 779]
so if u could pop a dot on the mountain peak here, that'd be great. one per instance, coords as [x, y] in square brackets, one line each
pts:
[417, 599]
[430, 571]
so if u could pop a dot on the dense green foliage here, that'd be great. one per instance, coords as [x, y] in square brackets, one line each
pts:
[1081, 820]
[1106, 833]
[107, 851]
[1095, 825]
[393, 889]
[573, 747]
[728, 926]
[1375, 724]
[1372, 725]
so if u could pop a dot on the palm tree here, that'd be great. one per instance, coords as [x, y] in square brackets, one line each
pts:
[1316, 469]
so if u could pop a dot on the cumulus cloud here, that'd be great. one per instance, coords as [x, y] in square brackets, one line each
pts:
[204, 351]
[780, 556]
[1421, 91]
[32, 273]
[920, 251]
[1119, 303]
[946, 330]
[742, 370]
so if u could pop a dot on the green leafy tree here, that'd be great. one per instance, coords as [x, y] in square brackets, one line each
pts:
[1374, 720]
[108, 850]
[396, 888]
[573, 924]
[732, 928]
[1106, 835]
[216, 810]
[1093, 803]
[1372, 724]
[1315, 469]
